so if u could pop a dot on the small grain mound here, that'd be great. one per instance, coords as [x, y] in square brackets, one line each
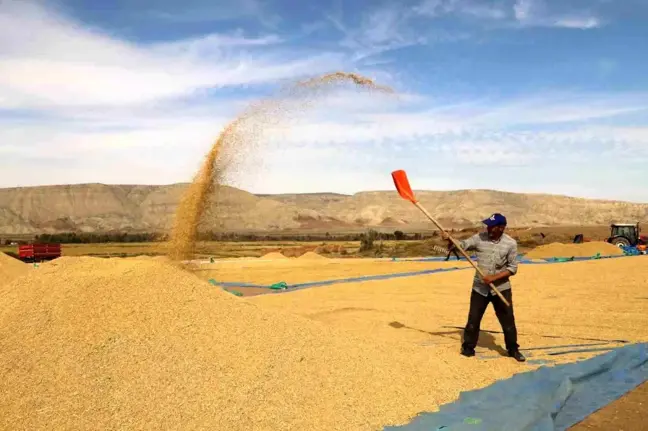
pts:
[148, 257]
[586, 249]
[11, 268]
[91, 343]
[309, 255]
[275, 255]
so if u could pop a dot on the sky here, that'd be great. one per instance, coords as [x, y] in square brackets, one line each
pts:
[539, 96]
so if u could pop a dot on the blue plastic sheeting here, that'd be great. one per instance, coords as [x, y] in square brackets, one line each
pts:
[547, 399]
[378, 277]
[521, 259]
[344, 280]
[575, 259]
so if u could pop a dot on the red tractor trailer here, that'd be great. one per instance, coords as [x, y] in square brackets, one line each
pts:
[39, 252]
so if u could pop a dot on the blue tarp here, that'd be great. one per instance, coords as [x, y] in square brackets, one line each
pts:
[376, 277]
[547, 399]
[343, 280]
[521, 259]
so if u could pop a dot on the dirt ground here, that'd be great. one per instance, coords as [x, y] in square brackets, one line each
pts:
[625, 414]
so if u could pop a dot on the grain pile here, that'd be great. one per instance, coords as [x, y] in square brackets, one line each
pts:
[586, 249]
[309, 255]
[240, 136]
[275, 255]
[91, 343]
[576, 304]
[11, 268]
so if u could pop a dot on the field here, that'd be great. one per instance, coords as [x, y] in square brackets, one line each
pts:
[114, 336]
[528, 238]
[204, 249]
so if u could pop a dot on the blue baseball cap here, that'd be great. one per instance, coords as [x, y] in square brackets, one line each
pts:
[496, 219]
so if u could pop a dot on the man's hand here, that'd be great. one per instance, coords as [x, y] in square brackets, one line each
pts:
[488, 279]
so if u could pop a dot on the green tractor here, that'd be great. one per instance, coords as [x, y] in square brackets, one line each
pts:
[627, 235]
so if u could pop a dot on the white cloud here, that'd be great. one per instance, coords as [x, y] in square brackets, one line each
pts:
[527, 13]
[475, 8]
[578, 22]
[340, 146]
[200, 11]
[382, 29]
[50, 60]
[537, 13]
[101, 109]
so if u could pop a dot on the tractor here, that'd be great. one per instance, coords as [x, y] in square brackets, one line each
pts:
[627, 235]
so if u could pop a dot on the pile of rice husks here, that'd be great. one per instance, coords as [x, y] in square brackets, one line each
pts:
[586, 249]
[88, 343]
[11, 268]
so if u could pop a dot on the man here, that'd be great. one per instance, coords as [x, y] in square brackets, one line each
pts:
[497, 258]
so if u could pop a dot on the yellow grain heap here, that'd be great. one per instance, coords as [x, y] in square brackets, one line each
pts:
[585, 249]
[11, 268]
[88, 343]
[309, 255]
[275, 255]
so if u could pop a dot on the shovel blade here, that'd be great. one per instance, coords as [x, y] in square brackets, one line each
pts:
[403, 186]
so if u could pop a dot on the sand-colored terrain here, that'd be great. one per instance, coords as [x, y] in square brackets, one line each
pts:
[105, 208]
[133, 343]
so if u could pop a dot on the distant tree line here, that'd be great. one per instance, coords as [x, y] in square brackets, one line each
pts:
[358, 236]
[367, 238]
[95, 238]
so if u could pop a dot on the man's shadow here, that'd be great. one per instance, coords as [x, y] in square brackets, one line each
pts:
[486, 340]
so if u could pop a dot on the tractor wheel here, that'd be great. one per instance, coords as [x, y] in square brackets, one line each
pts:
[621, 242]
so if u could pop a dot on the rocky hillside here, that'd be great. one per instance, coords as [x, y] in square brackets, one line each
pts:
[103, 208]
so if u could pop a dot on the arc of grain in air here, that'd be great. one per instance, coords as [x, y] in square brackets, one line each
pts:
[240, 135]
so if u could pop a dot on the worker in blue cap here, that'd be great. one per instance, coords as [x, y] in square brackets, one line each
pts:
[497, 258]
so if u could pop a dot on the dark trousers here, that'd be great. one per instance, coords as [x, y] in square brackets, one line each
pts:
[478, 305]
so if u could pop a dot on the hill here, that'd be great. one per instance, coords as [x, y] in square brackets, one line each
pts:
[139, 208]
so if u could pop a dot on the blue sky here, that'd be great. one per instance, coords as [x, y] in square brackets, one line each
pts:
[538, 96]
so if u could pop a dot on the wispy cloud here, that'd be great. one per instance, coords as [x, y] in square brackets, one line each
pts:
[202, 11]
[50, 60]
[537, 13]
[525, 13]
[83, 104]
[485, 9]
[382, 29]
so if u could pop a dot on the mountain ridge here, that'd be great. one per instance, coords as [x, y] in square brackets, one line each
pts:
[97, 207]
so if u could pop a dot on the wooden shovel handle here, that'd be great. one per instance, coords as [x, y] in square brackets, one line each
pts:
[464, 254]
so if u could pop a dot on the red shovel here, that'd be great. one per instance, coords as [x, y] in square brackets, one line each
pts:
[405, 191]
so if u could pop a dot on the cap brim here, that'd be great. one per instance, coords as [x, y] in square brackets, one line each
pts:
[492, 223]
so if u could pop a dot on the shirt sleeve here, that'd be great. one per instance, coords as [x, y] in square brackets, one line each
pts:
[512, 262]
[469, 243]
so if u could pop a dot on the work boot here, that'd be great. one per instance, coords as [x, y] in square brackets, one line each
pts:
[517, 355]
[467, 352]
